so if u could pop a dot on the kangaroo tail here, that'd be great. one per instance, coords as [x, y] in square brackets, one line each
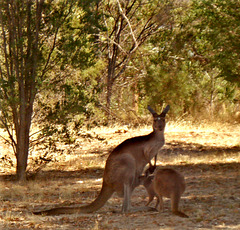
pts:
[105, 194]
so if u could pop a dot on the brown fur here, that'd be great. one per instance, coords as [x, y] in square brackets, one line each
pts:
[165, 183]
[123, 168]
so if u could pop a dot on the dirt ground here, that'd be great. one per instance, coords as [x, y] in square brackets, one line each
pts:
[208, 157]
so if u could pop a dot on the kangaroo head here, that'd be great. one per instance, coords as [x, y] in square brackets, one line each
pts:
[150, 170]
[159, 119]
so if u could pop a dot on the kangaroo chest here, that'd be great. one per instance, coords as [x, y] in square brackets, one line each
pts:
[153, 148]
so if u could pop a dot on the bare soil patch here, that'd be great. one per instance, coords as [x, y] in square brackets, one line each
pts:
[208, 157]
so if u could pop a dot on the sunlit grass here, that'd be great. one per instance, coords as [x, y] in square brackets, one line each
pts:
[103, 139]
[211, 158]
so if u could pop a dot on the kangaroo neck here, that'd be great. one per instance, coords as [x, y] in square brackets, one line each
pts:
[158, 135]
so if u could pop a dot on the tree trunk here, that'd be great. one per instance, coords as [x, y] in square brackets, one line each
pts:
[22, 153]
[109, 95]
[110, 82]
[135, 96]
[20, 28]
[21, 166]
[22, 136]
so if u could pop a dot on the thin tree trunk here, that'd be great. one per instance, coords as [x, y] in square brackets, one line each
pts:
[109, 94]
[110, 80]
[135, 97]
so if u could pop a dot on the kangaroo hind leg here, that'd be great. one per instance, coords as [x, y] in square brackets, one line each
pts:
[126, 198]
[175, 199]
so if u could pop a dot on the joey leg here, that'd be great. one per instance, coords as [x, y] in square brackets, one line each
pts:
[174, 205]
[149, 200]
[160, 202]
[175, 199]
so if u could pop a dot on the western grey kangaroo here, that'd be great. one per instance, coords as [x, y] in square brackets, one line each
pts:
[165, 183]
[123, 168]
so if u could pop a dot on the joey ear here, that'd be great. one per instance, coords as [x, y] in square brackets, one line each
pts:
[151, 111]
[164, 112]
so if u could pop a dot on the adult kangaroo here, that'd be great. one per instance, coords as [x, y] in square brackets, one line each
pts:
[123, 168]
[165, 183]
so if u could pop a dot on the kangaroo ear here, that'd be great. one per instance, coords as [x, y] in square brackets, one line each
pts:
[164, 112]
[151, 111]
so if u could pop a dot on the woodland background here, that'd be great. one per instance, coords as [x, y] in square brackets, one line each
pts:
[75, 81]
[65, 65]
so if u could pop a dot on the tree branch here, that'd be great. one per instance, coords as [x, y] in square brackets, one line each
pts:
[129, 25]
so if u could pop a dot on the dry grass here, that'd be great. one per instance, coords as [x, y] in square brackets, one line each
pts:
[208, 156]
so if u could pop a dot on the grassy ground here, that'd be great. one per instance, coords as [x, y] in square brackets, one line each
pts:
[208, 156]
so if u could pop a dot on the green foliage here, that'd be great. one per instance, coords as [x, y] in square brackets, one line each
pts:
[69, 92]
[38, 37]
[215, 35]
[66, 104]
[191, 64]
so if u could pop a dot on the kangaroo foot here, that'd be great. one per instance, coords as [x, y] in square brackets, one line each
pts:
[181, 214]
